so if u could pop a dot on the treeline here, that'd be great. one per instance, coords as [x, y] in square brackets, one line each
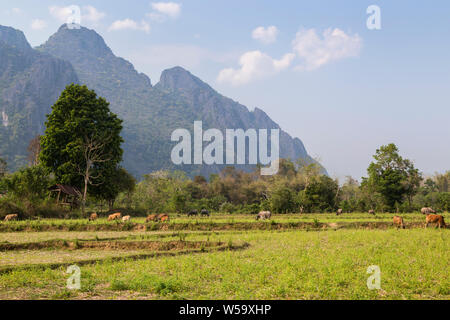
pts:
[81, 147]
[294, 189]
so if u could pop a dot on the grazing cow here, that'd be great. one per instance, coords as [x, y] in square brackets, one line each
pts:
[205, 213]
[126, 219]
[115, 216]
[11, 217]
[427, 210]
[193, 213]
[435, 218]
[372, 212]
[398, 222]
[263, 215]
[339, 212]
[163, 218]
[151, 217]
[93, 217]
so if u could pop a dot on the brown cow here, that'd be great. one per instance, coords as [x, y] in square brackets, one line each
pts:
[427, 210]
[11, 217]
[126, 219]
[339, 212]
[372, 212]
[115, 216]
[398, 222]
[93, 217]
[435, 218]
[151, 217]
[163, 218]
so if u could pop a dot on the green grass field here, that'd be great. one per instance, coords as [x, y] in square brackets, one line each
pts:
[315, 262]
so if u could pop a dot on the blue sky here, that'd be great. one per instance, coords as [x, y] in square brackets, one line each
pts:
[344, 93]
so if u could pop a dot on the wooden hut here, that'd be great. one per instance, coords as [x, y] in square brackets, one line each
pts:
[66, 195]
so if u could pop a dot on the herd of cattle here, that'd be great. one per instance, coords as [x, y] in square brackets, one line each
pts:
[431, 217]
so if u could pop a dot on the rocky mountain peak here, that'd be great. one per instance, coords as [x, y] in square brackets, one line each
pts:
[71, 42]
[178, 78]
[14, 38]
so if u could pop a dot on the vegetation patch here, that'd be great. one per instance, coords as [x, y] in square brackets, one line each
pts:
[205, 225]
[149, 250]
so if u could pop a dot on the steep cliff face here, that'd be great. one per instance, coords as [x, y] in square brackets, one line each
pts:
[217, 111]
[30, 82]
[95, 64]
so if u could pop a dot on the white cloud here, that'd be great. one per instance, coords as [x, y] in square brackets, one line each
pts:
[128, 24]
[38, 24]
[60, 13]
[316, 51]
[308, 47]
[265, 35]
[254, 65]
[92, 14]
[16, 10]
[170, 9]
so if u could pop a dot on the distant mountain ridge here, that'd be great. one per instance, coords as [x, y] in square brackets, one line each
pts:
[30, 83]
[150, 113]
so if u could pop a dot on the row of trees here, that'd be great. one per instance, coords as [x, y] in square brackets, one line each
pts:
[392, 185]
[81, 147]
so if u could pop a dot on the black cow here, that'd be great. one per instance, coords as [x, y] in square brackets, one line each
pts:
[205, 213]
[193, 213]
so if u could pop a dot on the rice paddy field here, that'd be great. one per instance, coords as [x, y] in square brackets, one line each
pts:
[311, 256]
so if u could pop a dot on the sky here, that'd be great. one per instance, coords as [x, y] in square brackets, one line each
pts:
[315, 67]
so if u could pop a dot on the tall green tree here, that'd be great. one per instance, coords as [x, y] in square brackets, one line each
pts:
[392, 176]
[82, 142]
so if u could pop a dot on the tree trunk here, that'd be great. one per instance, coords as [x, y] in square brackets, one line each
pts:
[83, 202]
[111, 204]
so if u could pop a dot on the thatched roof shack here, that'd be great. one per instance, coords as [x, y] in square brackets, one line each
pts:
[66, 195]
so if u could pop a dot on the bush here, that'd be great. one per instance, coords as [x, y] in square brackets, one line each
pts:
[9, 207]
[227, 207]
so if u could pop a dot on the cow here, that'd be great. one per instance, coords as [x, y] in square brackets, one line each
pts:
[163, 218]
[11, 217]
[115, 216]
[151, 217]
[205, 212]
[93, 217]
[435, 218]
[339, 212]
[398, 222]
[126, 219]
[372, 212]
[263, 215]
[427, 210]
[193, 213]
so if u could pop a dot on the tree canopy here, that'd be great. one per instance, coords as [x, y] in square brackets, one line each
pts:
[82, 142]
[392, 176]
